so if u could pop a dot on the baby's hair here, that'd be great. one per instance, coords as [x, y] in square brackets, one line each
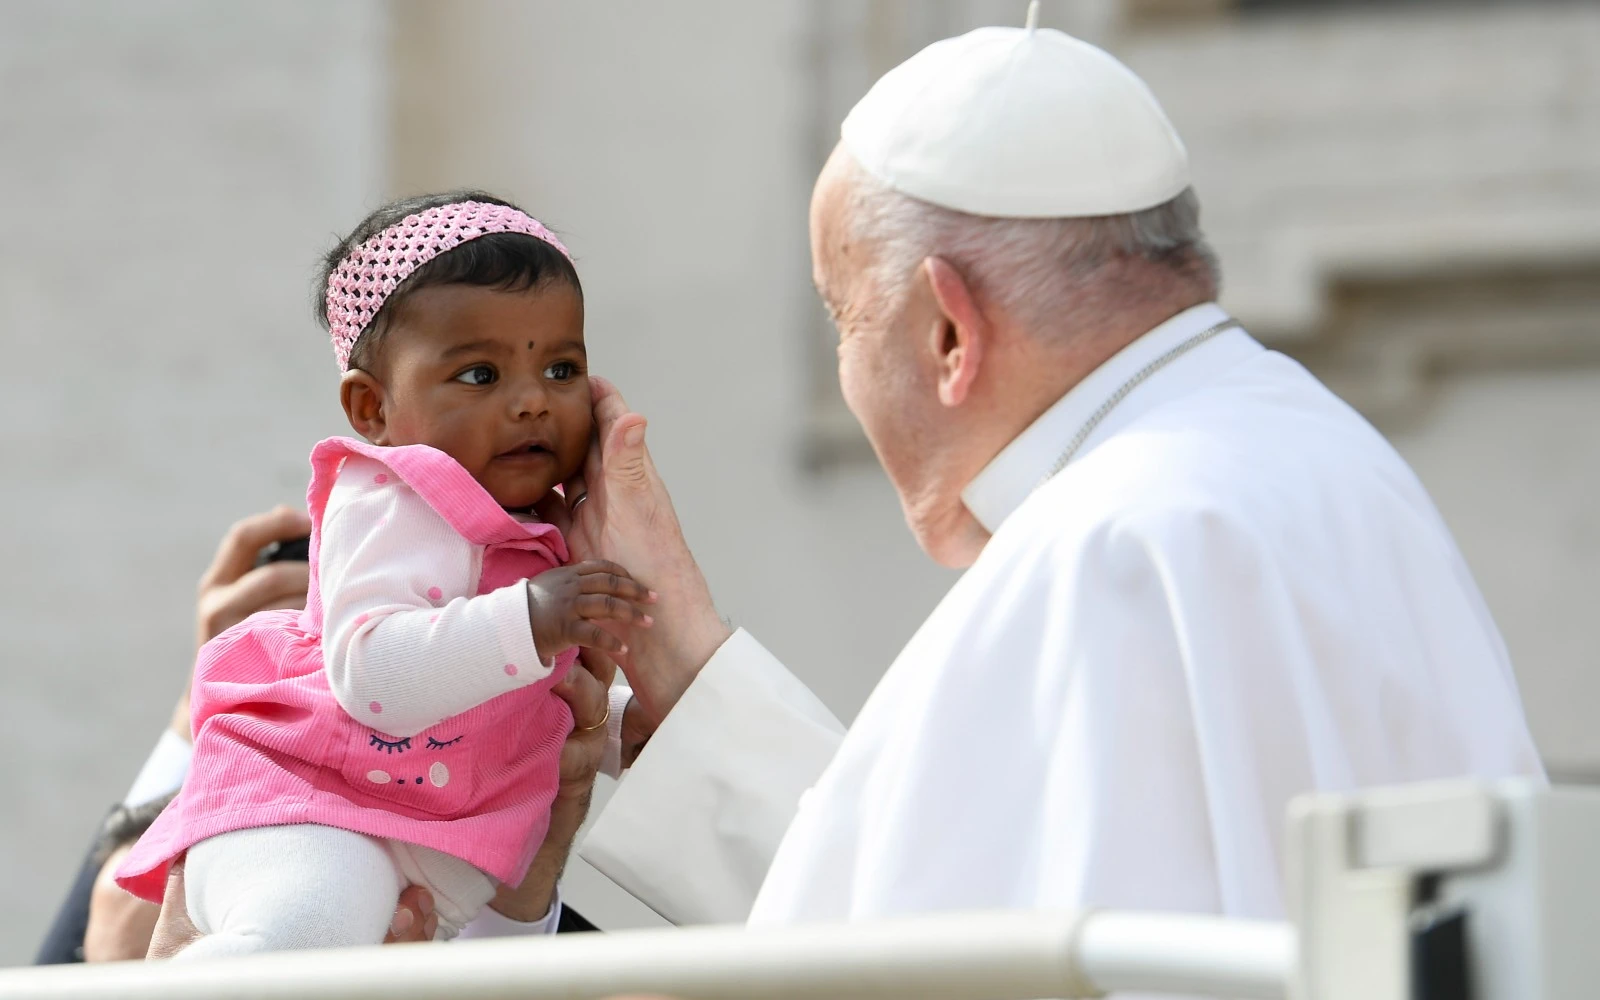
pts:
[508, 262]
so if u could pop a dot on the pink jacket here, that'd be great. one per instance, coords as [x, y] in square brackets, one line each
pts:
[273, 744]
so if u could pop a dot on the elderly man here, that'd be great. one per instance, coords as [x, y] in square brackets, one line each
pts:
[1199, 583]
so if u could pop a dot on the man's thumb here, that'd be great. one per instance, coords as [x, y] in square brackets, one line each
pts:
[625, 454]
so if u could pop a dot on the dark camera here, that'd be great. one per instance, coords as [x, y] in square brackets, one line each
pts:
[289, 550]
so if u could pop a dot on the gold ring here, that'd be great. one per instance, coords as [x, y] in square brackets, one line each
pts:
[598, 725]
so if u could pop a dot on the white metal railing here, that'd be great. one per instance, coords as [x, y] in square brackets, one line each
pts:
[986, 956]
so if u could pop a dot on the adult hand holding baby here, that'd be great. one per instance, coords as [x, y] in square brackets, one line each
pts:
[233, 587]
[586, 693]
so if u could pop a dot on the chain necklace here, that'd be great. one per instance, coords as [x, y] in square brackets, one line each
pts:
[1122, 393]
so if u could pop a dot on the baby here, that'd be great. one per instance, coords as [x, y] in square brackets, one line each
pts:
[402, 729]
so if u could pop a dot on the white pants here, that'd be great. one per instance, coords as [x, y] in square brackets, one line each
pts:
[276, 888]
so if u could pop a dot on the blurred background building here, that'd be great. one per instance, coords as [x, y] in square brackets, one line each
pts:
[1406, 196]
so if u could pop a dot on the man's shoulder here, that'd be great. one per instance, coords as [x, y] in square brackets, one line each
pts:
[1267, 448]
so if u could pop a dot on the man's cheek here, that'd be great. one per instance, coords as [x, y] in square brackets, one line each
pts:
[866, 390]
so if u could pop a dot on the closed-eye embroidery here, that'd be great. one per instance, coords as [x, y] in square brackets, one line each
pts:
[386, 746]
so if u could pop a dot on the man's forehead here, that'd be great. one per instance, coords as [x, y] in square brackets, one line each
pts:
[830, 197]
[835, 250]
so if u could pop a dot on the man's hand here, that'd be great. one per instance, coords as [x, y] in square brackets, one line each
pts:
[174, 930]
[585, 690]
[637, 728]
[120, 923]
[619, 510]
[233, 588]
[414, 919]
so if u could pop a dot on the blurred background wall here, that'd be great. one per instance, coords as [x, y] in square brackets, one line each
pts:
[1406, 196]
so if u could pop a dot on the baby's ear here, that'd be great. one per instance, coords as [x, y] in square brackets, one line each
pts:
[364, 402]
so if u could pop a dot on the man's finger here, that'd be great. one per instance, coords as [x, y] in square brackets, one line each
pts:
[608, 405]
[577, 487]
[289, 602]
[411, 915]
[621, 434]
[627, 463]
[244, 541]
[587, 633]
[593, 470]
[552, 509]
[174, 930]
[585, 694]
[269, 584]
[275, 585]
[120, 925]
[599, 665]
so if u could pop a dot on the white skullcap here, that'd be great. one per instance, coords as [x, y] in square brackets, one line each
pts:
[1021, 123]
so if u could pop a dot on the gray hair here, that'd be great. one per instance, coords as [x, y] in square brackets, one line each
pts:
[1029, 265]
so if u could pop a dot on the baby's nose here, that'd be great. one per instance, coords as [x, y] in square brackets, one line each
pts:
[531, 399]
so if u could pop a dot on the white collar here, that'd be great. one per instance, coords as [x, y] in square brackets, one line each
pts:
[1013, 474]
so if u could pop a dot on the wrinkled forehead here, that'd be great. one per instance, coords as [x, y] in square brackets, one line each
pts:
[840, 237]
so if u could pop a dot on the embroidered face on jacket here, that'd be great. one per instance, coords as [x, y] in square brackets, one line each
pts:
[401, 770]
[497, 380]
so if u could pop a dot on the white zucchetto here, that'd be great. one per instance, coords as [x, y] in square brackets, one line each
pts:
[1020, 123]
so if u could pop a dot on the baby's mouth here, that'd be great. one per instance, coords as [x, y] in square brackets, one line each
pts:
[530, 450]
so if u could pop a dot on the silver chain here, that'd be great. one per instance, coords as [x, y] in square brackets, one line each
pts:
[1127, 387]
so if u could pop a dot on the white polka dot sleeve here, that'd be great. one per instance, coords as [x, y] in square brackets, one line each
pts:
[405, 642]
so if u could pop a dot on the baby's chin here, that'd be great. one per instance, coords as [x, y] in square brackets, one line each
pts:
[519, 496]
[521, 483]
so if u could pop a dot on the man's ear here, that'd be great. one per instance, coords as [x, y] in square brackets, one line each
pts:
[363, 400]
[960, 331]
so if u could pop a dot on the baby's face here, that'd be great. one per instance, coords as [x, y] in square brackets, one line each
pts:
[496, 380]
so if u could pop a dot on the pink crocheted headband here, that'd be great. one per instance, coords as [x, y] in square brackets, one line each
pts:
[363, 280]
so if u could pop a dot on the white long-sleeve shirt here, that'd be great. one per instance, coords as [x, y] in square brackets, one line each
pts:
[407, 641]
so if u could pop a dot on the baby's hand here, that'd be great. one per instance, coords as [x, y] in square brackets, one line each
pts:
[564, 605]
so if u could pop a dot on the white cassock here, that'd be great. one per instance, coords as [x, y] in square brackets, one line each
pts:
[1234, 593]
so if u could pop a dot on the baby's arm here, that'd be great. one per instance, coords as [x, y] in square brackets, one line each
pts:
[403, 644]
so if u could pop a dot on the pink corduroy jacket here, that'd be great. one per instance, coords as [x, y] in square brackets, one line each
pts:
[272, 746]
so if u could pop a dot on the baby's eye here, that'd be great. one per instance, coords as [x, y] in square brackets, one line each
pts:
[561, 371]
[479, 375]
